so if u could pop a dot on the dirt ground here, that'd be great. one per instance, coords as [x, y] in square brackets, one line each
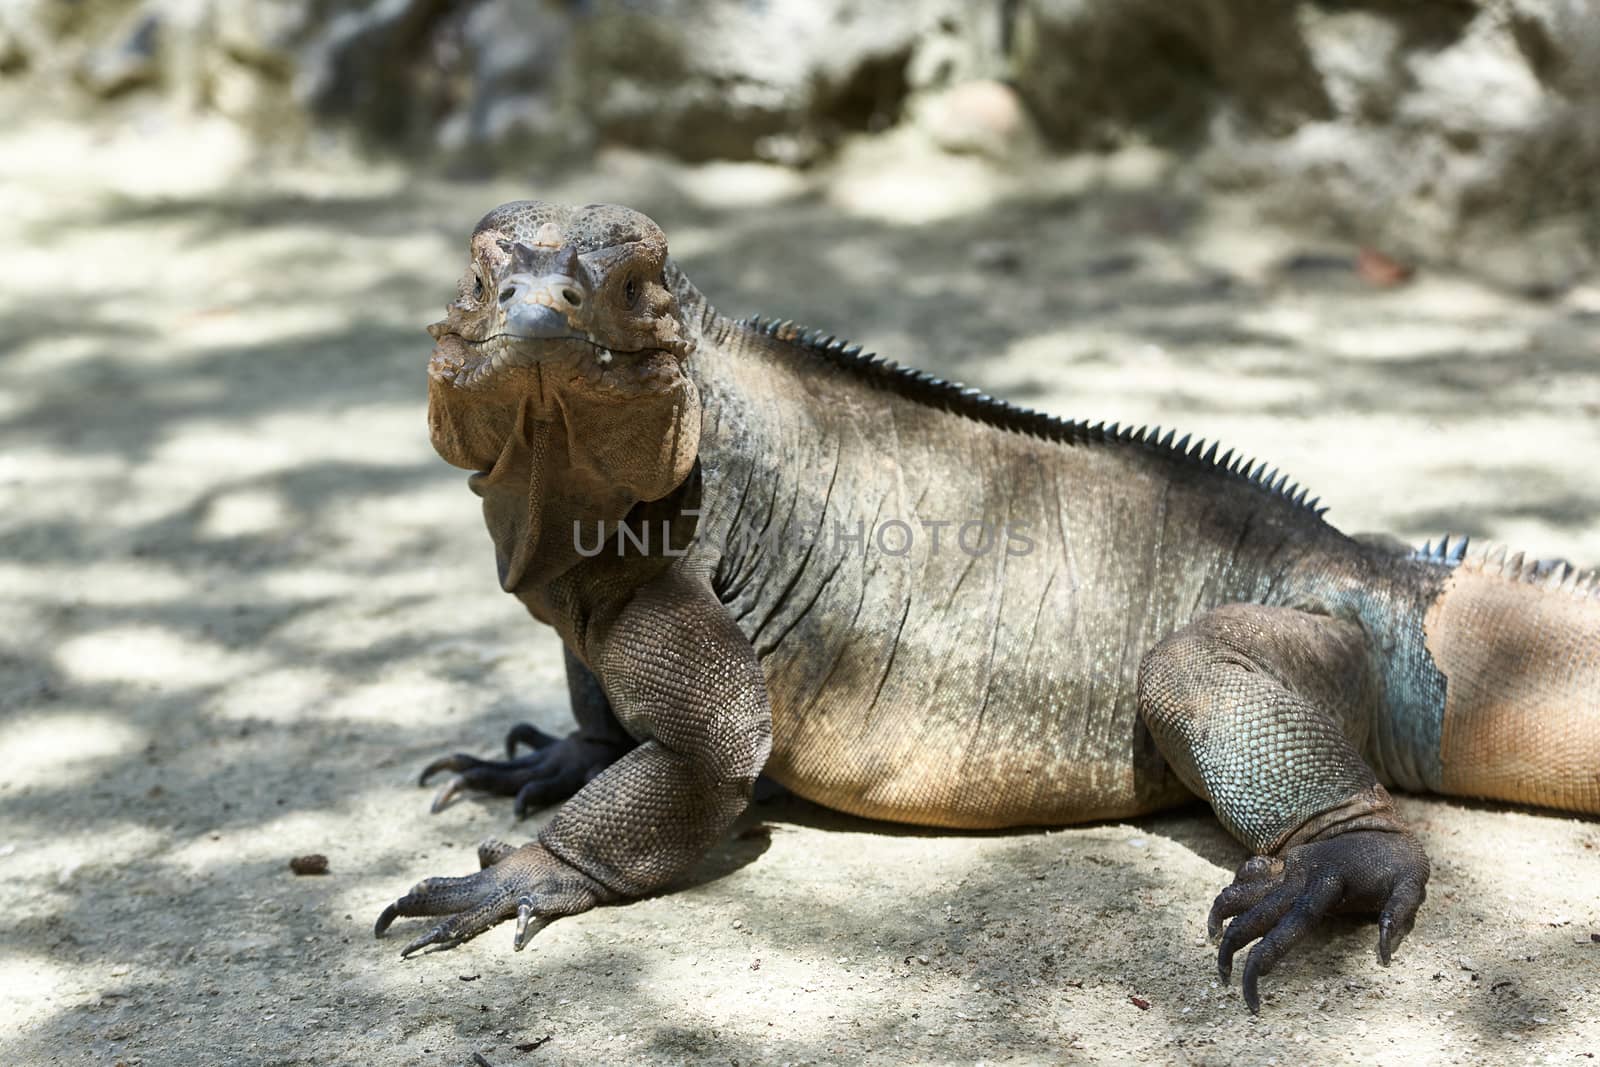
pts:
[241, 603]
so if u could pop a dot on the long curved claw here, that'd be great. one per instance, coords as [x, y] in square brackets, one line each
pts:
[447, 793]
[437, 936]
[1399, 916]
[460, 761]
[526, 918]
[1275, 902]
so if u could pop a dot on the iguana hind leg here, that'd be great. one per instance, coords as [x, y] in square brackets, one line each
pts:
[1261, 711]
[557, 767]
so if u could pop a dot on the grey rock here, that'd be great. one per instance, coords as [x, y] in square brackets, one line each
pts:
[1443, 132]
[982, 116]
[129, 61]
[1103, 72]
[1457, 131]
[710, 78]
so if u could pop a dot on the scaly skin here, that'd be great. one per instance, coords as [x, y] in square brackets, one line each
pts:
[1085, 622]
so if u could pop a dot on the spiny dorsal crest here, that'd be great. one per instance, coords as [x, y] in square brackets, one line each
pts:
[1446, 553]
[1497, 561]
[975, 404]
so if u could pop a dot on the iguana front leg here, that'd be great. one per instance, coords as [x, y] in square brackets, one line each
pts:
[1255, 709]
[557, 767]
[681, 675]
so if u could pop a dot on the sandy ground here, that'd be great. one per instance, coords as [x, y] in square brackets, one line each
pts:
[243, 603]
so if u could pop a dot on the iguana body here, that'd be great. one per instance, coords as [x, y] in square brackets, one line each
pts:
[904, 600]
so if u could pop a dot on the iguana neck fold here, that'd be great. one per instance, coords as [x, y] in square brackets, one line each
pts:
[514, 492]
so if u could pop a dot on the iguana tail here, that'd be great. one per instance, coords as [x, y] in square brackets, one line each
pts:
[1518, 642]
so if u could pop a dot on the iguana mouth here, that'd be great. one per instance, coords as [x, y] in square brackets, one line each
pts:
[471, 363]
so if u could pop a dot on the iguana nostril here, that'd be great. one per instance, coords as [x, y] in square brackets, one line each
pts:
[571, 296]
[507, 293]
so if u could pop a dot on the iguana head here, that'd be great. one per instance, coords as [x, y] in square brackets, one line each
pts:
[565, 315]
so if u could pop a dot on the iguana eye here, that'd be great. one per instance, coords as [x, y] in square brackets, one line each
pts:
[477, 287]
[631, 292]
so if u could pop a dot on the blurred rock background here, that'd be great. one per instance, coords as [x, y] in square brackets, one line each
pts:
[1433, 129]
[242, 601]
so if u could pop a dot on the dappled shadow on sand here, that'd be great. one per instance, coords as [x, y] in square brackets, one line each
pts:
[247, 603]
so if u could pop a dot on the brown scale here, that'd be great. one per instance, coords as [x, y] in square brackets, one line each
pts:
[1519, 646]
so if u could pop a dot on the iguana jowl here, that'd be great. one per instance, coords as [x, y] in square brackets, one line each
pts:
[1143, 619]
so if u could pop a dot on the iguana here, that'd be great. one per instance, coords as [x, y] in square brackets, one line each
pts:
[766, 551]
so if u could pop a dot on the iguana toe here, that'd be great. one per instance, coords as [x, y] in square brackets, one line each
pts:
[500, 777]
[563, 781]
[1258, 876]
[491, 851]
[556, 769]
[1273, 902]
[525, 733]
[527, 883]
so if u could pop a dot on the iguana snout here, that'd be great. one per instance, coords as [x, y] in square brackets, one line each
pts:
[545, 304]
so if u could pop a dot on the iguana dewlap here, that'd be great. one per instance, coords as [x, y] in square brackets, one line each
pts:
[767, 552]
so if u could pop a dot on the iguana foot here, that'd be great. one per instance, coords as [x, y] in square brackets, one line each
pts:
[552, 772]
[1279, 899]
[527, 883]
